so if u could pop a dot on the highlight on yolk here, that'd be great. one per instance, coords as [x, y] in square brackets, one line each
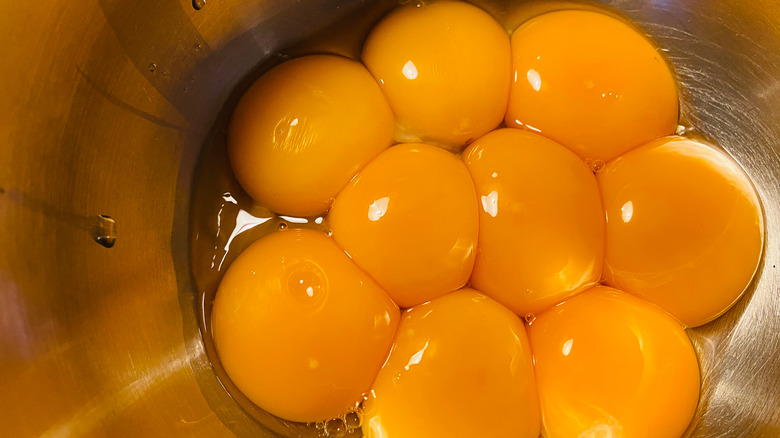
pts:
[541, 226]
[444, 68]
[460, 367]
[611, 365]
[300, 330]
[304, 129]
[684, 227]
[591, 83]
[409, 219]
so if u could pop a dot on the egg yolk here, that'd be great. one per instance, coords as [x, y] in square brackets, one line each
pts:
[444, 68]
[684, 227]
[409, 219]
[591, 83]
[304, 129]
[299, 329]
[460, 367]
[541, 226]
[611, 365]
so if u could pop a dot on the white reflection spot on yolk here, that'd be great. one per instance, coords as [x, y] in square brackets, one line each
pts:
[416, 357]
[534, 79]
[409, 70]
[567, 347]
[490, 203]
[626, 211]
[378, 208]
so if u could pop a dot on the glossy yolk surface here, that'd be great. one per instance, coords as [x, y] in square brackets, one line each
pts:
[541, 230]
[684, 227]
[300, 330]
[304, 129]
[611, 365]
[409, 219]
[590, 82]
[445, 69]
[460, 367]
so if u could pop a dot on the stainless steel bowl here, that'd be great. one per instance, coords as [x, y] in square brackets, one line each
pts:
[107, 104]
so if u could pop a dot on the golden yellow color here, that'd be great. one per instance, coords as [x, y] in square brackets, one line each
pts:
[684, 227]
[409, 219]
[460, 367]
[591, 83]
[541, 226]
[611, 365]
[300, 330]
[444, 68]
[304, 129]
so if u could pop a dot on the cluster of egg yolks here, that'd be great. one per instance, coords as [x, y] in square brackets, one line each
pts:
[684, 228]
[591, 83]
[302, 327]
[460, 366]
[444, 68]
[409, 219]
[304, 129]
[300, 330]
[541, 226]
[612, 365]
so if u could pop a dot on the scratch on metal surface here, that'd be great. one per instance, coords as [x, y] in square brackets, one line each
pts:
[125, 106]
[93, 412]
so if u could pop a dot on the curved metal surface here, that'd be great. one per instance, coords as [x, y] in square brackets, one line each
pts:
[107, 104]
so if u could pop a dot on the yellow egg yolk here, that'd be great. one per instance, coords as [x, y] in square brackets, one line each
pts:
[611, 365]
[409, 219]
[304, 129]
[444, 68]
[460, 367]
[541, 229]
[299, 329]
[684, 227]
[591, 83]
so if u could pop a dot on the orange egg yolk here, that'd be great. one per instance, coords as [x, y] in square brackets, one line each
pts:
[611, 365]
[684, 227]
[409, 219]
[300, 330]
[541, 229]
[591, 83]
[460, 367]
[304, 129]
[444, 68]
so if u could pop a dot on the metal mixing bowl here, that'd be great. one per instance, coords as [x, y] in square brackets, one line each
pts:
[107, 104]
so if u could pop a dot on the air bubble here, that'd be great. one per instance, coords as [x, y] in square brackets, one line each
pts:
[353, 420]
[529, 318]
[596, 166]
[198, 4]
[681, 130]
[282, 225]
[152, 67]
[335, 428]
